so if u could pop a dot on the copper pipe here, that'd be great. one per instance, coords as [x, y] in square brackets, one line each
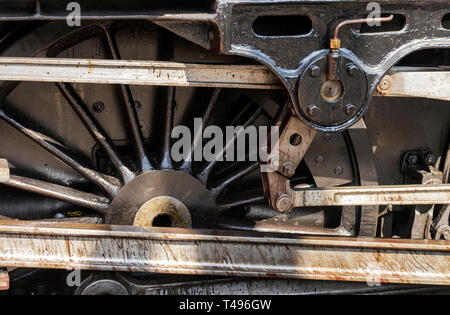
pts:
[373, 20]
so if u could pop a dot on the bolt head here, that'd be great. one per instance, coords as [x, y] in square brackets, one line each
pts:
[313, 110]
[350, 109]
[314, 71]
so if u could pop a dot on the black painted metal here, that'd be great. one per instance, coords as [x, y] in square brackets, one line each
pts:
[374, 52]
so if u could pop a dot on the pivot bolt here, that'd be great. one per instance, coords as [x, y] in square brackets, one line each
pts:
[350, 109]
[313, 110]
[314, 71]
[284, 203]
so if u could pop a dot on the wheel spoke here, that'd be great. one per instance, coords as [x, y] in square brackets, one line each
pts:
[167, 120]
[198, 136]
[92, 126]
[130, 108]
[233, 176]
[205, 173]
[233, 200]
[108, 184]
[83, 199]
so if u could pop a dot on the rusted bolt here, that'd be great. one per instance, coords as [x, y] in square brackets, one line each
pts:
[314, 71]
[385, 84]
[351, 70]
[338, 170]
[313, 110]
[350, 109]
[288, 169]
[98, 107]
[320, 159]
[284, 202]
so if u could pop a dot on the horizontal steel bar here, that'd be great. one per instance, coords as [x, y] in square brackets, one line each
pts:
[4, 280]
[373, 195]
[136, 73]
[201, 252]
[426, 84]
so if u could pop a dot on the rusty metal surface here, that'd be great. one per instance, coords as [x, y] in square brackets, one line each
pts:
[374, 195]
[406, 84]
[136, 73]
[180, 251]
[4, 280]
[432, 84]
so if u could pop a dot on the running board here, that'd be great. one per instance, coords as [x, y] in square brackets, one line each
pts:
[428, 84]
[222, 253]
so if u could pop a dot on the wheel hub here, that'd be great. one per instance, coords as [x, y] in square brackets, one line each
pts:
[162, 196]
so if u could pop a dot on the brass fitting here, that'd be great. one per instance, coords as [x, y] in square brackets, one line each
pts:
[335, 43]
